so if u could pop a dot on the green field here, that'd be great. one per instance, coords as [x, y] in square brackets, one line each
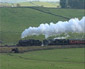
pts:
[14, 20]
[72, 58]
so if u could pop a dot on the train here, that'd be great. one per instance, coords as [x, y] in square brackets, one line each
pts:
[50, 42]
[30, 42]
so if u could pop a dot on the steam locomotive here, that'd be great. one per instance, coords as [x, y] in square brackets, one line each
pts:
[30, 42]
[49, 42]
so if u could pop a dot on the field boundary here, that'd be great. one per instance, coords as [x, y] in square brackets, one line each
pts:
[35, 8]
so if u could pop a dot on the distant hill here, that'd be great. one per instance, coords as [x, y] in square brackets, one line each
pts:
[34, 3]
[5, 4]
[43, 4]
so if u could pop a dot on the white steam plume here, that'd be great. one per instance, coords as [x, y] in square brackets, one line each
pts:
[73, 25]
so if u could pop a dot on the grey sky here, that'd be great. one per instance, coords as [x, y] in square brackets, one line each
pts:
[13, 1]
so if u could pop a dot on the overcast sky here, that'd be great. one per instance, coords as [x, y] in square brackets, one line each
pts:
[12, 1]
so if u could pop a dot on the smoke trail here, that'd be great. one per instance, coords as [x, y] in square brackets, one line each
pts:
[73, 25]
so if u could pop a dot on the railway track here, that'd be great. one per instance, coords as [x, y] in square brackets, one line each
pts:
[8, 49]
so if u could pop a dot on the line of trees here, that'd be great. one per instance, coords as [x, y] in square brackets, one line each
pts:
[79, 4]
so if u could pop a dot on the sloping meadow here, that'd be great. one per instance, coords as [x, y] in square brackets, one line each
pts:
[13, 21]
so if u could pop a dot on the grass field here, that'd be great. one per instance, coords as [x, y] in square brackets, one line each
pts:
[72, 58]
[14, 20]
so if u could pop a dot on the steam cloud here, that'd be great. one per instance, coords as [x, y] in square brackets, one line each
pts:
[73, 25]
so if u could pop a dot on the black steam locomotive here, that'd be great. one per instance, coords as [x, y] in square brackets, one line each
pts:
[30, 42]
[49, 42]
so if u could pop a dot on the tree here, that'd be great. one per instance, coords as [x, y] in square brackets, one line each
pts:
[80, 4]
[63, 3]
[18, 5]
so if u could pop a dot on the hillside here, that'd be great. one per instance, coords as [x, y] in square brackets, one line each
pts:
[43, 4]
[14, 20]
[34, 3]
[5, 4]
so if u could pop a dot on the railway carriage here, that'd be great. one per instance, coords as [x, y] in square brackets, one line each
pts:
[76, 41]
